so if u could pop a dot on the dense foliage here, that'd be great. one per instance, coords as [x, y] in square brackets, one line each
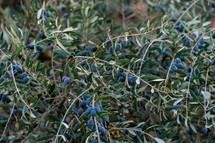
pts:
[97, 71]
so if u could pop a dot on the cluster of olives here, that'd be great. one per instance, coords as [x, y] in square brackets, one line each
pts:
[201, 45]
[89, 113]
[122, 78]
[66, 80]
[19, 73]
[16, 110]
[38, 47]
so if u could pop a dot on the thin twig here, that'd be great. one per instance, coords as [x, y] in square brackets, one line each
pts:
[85, 57]
[11, 113]
[68, 111]
[145, 54]
[185, 12]
[18, 89]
